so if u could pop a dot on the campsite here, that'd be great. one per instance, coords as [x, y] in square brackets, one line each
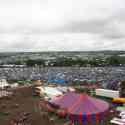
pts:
[58, 104]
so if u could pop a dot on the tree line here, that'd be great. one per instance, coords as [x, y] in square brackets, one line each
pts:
[64, 61]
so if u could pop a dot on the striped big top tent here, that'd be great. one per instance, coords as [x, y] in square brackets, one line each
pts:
[83, 109]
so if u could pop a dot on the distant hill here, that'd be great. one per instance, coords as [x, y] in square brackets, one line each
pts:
[21, 57]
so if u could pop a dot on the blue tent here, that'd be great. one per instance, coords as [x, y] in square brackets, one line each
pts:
[58, 78]
[57, 81]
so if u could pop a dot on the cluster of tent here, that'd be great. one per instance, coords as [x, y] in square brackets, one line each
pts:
[62, 81]
[83, 109]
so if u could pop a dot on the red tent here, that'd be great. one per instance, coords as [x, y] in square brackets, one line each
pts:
[83, 108]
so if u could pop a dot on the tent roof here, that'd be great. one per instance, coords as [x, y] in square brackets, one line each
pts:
[58, 81]
[81, 103]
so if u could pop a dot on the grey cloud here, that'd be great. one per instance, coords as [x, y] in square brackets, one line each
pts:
[91, 26]
[25, 41]
[104, 28]
[114, 35]
[100, 19]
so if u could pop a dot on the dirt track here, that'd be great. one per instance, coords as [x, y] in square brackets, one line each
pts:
[21, 105]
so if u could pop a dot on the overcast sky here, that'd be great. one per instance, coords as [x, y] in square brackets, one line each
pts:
[42, 25]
